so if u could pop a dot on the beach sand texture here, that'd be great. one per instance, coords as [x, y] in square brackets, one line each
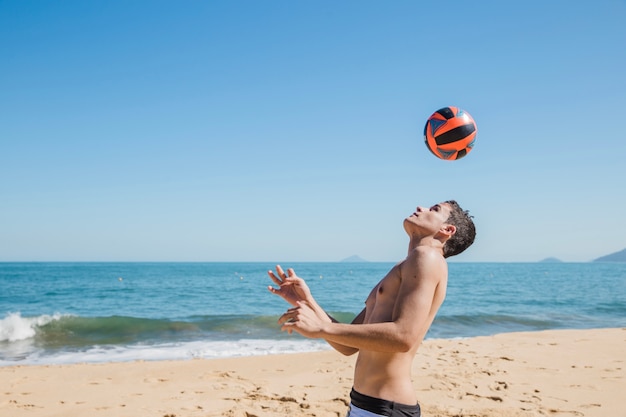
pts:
[558, 373]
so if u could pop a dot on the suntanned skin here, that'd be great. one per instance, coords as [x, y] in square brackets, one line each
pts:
[397, 314]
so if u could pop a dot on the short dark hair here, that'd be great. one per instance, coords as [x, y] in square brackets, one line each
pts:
[465, 230]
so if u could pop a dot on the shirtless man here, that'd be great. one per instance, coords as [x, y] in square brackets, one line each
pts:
[397, 314]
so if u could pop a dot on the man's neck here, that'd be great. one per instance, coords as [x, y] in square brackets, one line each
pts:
[429, 241]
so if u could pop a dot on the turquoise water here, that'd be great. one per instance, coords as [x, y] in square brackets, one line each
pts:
[96, 312]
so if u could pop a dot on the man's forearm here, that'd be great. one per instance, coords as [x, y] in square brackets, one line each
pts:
[343, 349]
[380, 337]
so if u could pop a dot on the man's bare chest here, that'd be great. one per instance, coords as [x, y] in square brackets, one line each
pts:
[381, 301]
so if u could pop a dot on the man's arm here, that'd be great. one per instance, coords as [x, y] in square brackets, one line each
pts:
[421, 273]
[343, 349]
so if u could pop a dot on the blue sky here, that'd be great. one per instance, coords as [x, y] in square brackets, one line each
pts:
[292, 131]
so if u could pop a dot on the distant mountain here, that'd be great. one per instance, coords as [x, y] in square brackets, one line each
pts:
[551, 260]
[614, 257]
[354, 258]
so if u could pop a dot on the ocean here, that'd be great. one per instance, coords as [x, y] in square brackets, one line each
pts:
[53, 313]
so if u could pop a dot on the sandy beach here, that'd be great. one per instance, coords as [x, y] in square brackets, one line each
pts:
[558, 373]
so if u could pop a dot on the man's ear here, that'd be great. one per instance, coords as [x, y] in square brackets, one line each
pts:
[448, 230]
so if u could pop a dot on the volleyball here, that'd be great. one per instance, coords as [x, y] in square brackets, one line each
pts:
[450, 133]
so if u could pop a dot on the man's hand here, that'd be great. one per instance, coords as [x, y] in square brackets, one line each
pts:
[290, 287]
[307, 316]
[302, 319]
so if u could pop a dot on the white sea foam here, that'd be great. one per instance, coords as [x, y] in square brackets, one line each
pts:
[18, 346]
[14, 327]
[173, 351]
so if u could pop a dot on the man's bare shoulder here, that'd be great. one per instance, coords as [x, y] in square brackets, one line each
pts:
[426, 262]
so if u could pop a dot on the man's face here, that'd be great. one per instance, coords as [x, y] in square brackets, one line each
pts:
[429, 220]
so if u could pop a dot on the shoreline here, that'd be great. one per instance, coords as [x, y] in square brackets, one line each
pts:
[552, 372]
[193, 350]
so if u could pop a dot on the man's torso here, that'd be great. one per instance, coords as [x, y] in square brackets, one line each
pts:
[387, 375]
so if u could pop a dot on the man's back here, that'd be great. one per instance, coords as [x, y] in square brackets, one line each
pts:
[415, 289]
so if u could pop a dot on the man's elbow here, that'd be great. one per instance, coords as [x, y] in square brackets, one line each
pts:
[347, 351]
[404, 346]
[343, 349]
[405, 342]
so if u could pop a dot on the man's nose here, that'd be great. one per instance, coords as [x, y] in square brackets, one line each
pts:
[420, 209]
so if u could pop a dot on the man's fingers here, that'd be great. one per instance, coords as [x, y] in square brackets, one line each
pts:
[274, 278]
[280, 271]
[284, 319]
[290, 316]
[293, 280]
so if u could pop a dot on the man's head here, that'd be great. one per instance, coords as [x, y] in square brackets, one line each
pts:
[446, 222]
[465, 231]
